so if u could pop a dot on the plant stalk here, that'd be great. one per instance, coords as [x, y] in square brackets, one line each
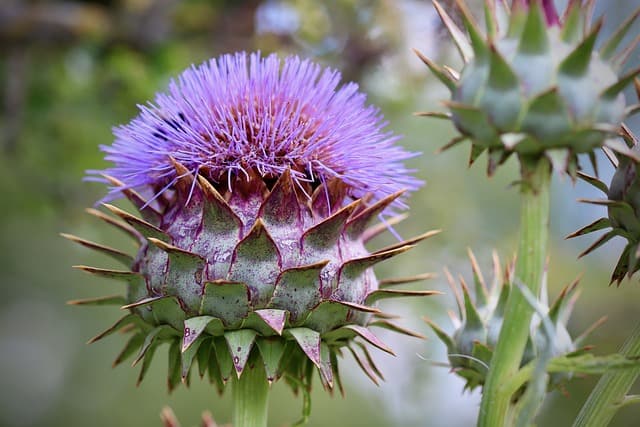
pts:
[532, 252]
[605, 399]
[251, 397]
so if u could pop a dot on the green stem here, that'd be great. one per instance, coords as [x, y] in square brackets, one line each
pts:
[609, 393]
[532, 251]
[251, 397]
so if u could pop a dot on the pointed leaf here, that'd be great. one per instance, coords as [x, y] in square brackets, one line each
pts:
[387, 224]
[298, 290]
[594, 181]
[358, 307]
[455, 141]
[326, 372]
[107, 300]
[336, 371]
[215, 377]
[326, 316]
[220, 230]
[368, 336]
[547, 116]
[141, 226]
[146, 363]
[173, 372]
[534, 39]
[444, 337]
[474, 122]
[434, 114]
[149, 340]
[395, 328]
[148, 212]
[240, 344]
[271, 351]
[501, 75]
[274, 318]
[121, 323]
[615, 89]
[490, 19]
[281, 206]
[126, 228]
[357, 225]
[322, 238]
[402, 280]
[411, 241]
[380, 294]
[620, 59]
[481, 290]
[223, 357]
[517, 19]
[184, 275]
[327, 197]
[204, 353]
[577, 62]
[601, 241]
[228, 301]
[256, 262]
[572, 21]
[459, 38]
[609, 47]
[476, 151]
[472, 318]
[352, 269]
[437, 71]
[309, 342]
[119, 256]
[478, 43]
[129, 349]
[187, 355]
[364, 365]
[193, 328]
[597, 225]
[621, 148]
[622, 267]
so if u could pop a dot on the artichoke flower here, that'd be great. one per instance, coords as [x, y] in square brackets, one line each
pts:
[481, 315]
[535, 84]
[623, 208]
[256, 182]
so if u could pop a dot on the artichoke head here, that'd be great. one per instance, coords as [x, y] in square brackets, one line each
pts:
[261, 274]
[535, 84]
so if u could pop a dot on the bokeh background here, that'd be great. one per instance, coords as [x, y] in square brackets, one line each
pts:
[70, 70]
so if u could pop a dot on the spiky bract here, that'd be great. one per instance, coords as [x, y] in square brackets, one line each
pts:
[535, 85]
[623, 207]
[264, 185]
[477, 327]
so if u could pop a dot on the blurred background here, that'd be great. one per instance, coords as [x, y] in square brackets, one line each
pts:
[70, 70]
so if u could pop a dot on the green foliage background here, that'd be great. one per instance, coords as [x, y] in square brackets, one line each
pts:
[71, 70]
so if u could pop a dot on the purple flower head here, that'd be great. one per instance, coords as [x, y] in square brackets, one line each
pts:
[246, 114]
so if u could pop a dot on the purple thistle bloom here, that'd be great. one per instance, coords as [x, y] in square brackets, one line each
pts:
[255, 249]
[246, 113]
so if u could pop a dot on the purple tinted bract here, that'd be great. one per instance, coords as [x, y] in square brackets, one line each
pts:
[246, 112]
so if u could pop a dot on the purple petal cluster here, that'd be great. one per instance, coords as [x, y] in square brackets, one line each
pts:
[247, 113]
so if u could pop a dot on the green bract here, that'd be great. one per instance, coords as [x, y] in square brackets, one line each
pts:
[534, 88]
[261, 274]
[623, 208]
[477, 327]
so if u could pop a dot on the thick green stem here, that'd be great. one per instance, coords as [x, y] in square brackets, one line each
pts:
[609, 393]
[532, 251]
[251, 397]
